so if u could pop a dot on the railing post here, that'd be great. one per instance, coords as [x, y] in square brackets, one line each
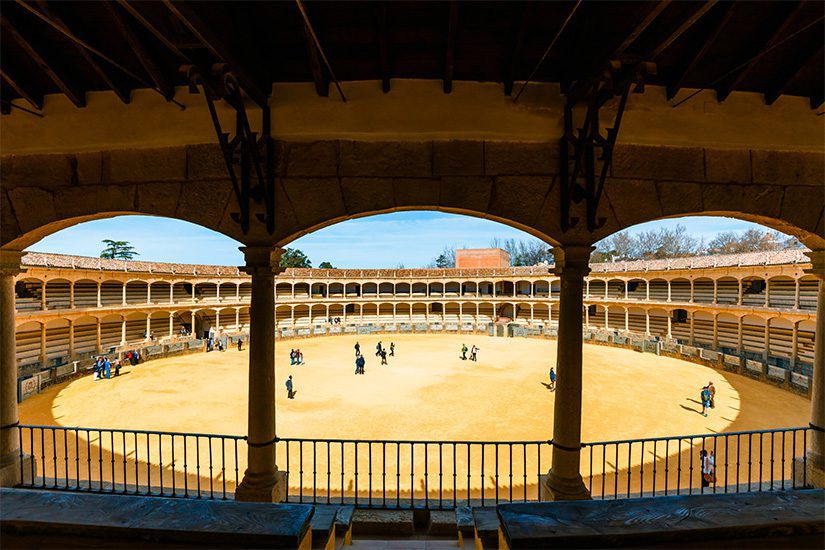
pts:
[15, 467]
[262, 482]
[811, 465]
[564, 480]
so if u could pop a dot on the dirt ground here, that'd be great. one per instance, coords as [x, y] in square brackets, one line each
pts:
[427, 392]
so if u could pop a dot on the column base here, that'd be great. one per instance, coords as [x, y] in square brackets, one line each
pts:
[12, 472]
[552, 487]
[263, 487]
[813, 475]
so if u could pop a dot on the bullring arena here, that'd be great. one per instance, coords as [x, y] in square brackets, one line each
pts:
[637, 386]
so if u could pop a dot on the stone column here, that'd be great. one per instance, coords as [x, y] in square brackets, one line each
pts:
[739, 335]
[122, 330]
[767, 293]
[815, 464]
[715, 330]
[647, 322]
[171, 324]
[43, 345]
[123, 295]
[691, 291]
[43, 305]
[71, 294]
[148, 292]
[237, 318]
[692, 316]
[767, 349]
[606, 318]
[262, 482]
[739, 296]
[10, 461]
[148, 326]
[564, 481]
[99, 302]
[192, 330]
[668, 290]
[715, 291]
[98, 337]
[669, 325]
[647, 291]
[795, 344]
[586, 316]
[218, 320]
[626, 320]
[193, 293]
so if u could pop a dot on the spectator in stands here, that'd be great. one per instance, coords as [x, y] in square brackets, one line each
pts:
[704, 397]
[289, 393]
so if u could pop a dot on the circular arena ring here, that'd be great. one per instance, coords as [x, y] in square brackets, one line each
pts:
[404, 432]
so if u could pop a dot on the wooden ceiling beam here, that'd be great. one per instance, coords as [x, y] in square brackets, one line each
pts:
[681, 29]
[449, 63]
[74, 93]
[35, 99]
[640, 28]
[515, 48]
[678, 79]
[131, 7]
[722, 92]
[120, 91]
[318, 74]
[149, 64]
[384, 47]
[209, 38]
[789, 72]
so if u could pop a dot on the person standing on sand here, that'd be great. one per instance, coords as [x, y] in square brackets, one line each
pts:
[378, 349]
[383, 357]
[240, 344]
[474, 353]
[357, 349]
[552, 379]
[289, 393]
[392, 349]
[712, 391]
[704, 396]
[463, 352]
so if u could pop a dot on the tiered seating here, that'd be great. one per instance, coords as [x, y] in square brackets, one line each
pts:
[27, 340]
[658, 290]
[111, 293]
[137, 292]
[28, 295]
[615, 289]
[679, 290]
[727, 330]
[206, 292]
[782, 293]
[703, 291]
[85, 294]
[160, 292]
[228, 292]
[85, 335]
[753, 335]
[727, 290]
[182, 293]
[808, 290]
[753, 292]
[110, 328]
[637, 289]
[703, 329]
[596, 289]
[58, 294]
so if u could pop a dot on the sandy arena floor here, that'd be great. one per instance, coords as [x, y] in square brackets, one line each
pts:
[425, 393]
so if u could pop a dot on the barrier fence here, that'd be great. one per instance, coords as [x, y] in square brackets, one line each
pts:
[400, 473]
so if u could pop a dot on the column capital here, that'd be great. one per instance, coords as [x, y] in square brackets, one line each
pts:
[572, 260]
[261, 260]
[817, 268]
[10, 262]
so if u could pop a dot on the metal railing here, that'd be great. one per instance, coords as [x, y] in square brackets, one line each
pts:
[404, 473]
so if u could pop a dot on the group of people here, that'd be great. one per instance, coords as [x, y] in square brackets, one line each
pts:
[473, 352]
[708, 463]
[380, 351]
[296, 357]
[213, 344]
[708, 398]
[103, 367]
[334, 320]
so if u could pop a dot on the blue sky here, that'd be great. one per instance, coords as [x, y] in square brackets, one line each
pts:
[409, 238]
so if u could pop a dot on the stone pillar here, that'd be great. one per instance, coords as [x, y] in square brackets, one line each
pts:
[668, 290]
[715, 291]
[123, 295]
[691, 291]
[626, 320]
[587, 288]
[148, 292]
[218, 320]
[193, 293]
[171, 324]
[715, 330]
[606, 287]
[669, 325]
[647, 291]
[795, 344]
[122, 330]
[586, 316]
[739, 335]
[43, 305]
[767, 292]
[10, 460]
[692, 316]
[739, 296]
[71, 294]
[606, 318]
[192, 330]
[796, 294]
[99, 301]
[767, 349]
[814, 467]
[148, 326]
[647, 322]
[218, 291]
[98, 337]
[237, 318]
[43, 345]
[564, 481]
[262, 482]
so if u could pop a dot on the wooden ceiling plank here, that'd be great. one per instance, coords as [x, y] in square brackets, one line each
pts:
[35, 99]
[449, 64]
[515, 48]
[209, 38]
[640, 28]
[675, 83]
[681, 29]
[149, 64]
[120, 91]
[131, 7]
[318, 75]
[75, 94]
[777, 87]
[781, 29]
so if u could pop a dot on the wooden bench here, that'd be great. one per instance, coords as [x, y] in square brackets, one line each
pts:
[786, 519]
[33, 518]
[329, 522]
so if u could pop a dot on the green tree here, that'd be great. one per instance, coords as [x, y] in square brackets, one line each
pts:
[118, 250]
[293, 257]
[326, 265]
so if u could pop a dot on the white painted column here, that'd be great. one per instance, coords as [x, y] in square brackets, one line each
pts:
[122, 330]
[193, 334]
[218, 321]
[586, 316]
[262, 481]
[564, 481]
[606, 287]
[626, 290]
[218, 291]
[237, 292]
[193, 292]
[123, 295]
[394, 310]
[172, 293]
[669, 325]
[148, 326]
[531, 314]
[606, 318]
[10, 462]
[647, 291]
[171, 324]
[292, 316]
[587, 288]
[626, 320]
[237, 318]
[691, 291]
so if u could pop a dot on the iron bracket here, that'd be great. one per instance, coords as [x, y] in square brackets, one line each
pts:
[249, 158]
[586, 153]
